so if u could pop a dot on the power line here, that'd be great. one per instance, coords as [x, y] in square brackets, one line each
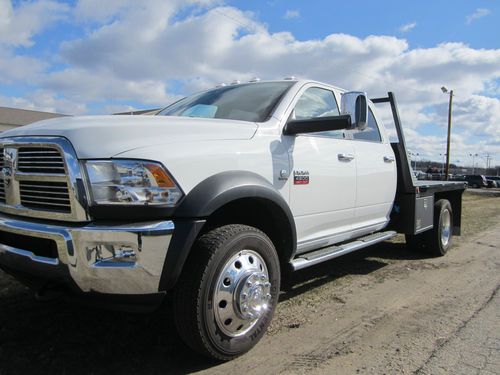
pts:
[254, 28]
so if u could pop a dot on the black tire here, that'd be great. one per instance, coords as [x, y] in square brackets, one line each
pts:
[443, 229]
[438, 240]
[195, 309]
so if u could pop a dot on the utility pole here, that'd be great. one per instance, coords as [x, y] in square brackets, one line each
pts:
[488, 162]
[448, 139]
[445, 157]
[473, 162]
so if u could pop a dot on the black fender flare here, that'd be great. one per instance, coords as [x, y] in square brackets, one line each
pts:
[206, 198]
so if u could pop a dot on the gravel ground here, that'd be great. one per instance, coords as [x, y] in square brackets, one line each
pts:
[383, 310]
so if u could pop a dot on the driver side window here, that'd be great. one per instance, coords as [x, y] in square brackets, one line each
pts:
[317, 102]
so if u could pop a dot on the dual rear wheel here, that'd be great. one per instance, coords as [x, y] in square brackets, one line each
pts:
[438, 240]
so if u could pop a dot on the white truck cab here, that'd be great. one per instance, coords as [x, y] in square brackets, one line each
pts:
[211, 200]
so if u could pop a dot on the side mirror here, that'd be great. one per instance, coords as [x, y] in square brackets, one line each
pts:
[355, 105]
[317, 124]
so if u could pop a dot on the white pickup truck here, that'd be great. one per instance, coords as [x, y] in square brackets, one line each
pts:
[211, 200]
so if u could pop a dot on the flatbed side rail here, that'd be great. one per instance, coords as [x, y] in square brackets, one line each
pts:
[406, 180]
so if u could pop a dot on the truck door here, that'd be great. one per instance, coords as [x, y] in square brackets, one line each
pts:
[376, 176]
[323, 175]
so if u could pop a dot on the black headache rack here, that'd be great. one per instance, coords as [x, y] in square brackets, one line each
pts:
[413, 210]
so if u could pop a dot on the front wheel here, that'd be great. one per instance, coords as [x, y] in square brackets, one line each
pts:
[228, 291]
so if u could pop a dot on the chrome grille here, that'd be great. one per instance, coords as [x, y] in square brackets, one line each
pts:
[45, 195]
[2, 184]
[40, 177]
[40, 160]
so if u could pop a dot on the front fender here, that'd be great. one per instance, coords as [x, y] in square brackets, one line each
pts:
[222, 188]
[206, 198]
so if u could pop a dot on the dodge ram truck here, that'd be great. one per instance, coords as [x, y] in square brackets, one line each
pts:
[211, 201]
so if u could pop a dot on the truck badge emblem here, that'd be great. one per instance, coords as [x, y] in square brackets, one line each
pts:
[9, 162]
[283, 174]
[300, 177]
[7, 176]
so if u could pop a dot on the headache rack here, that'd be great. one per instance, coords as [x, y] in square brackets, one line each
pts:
[413, 210]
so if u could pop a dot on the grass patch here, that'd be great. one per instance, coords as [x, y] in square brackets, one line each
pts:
[479, 213]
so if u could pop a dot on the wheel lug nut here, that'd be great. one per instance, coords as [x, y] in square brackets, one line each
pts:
[244, 296]
[268, 296]
[267, 285]
[249, 284]
[263, 277]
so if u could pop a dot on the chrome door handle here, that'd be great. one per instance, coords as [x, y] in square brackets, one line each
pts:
[389, 159]
[345, 157]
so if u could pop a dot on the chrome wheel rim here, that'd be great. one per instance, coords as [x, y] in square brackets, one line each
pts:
[242, 294]
[445, 227]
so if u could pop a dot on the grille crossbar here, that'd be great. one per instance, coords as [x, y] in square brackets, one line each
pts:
[40, 160]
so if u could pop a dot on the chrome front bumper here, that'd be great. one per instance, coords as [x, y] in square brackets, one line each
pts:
[124, 259]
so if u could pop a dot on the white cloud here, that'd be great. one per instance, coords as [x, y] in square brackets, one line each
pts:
[19, 68]
[289, 14]
[44, 100]
[88, 86]
[101, 11]
[18, 25]
[143, 53]
[407, 27]
[478, 13]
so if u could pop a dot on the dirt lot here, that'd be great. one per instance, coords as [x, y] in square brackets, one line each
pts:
[384, 310]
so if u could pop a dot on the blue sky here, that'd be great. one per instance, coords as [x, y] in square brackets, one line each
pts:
[436, 21]
[96, 56]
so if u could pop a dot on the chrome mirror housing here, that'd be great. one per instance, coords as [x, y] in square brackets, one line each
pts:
[355, 104]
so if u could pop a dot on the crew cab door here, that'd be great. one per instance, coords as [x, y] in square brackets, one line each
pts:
[323, 174]
[376, 176]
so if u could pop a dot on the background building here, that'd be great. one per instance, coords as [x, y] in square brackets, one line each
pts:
[11, 118]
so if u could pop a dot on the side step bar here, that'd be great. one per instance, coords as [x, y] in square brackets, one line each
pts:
[327, 253]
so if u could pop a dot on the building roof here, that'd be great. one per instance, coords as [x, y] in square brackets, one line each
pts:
[16, 117]
[140, 112]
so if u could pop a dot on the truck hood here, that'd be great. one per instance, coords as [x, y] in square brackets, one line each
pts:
[107, 136]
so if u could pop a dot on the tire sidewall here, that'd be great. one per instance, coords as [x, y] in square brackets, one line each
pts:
[227, 346]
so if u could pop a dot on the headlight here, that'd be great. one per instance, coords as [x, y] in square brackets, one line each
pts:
[131, 182]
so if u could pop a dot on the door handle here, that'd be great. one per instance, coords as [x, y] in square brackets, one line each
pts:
[389, 159]
[345, 157]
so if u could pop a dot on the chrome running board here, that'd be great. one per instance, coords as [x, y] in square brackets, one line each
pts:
[327, 253]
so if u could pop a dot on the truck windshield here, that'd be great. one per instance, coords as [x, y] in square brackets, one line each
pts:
[247, 102]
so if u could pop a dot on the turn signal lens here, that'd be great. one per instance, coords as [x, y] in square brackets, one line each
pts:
[160, 175]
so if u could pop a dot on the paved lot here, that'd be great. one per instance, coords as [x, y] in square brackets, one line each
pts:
[474, 348]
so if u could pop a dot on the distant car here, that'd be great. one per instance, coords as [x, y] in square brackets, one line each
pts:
[419, 175]
[437, 177]
[496, 179]
[491, 183]
[476, 181]
[459, 177]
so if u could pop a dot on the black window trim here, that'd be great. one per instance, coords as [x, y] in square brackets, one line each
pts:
[296, 100]
[377, 127]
